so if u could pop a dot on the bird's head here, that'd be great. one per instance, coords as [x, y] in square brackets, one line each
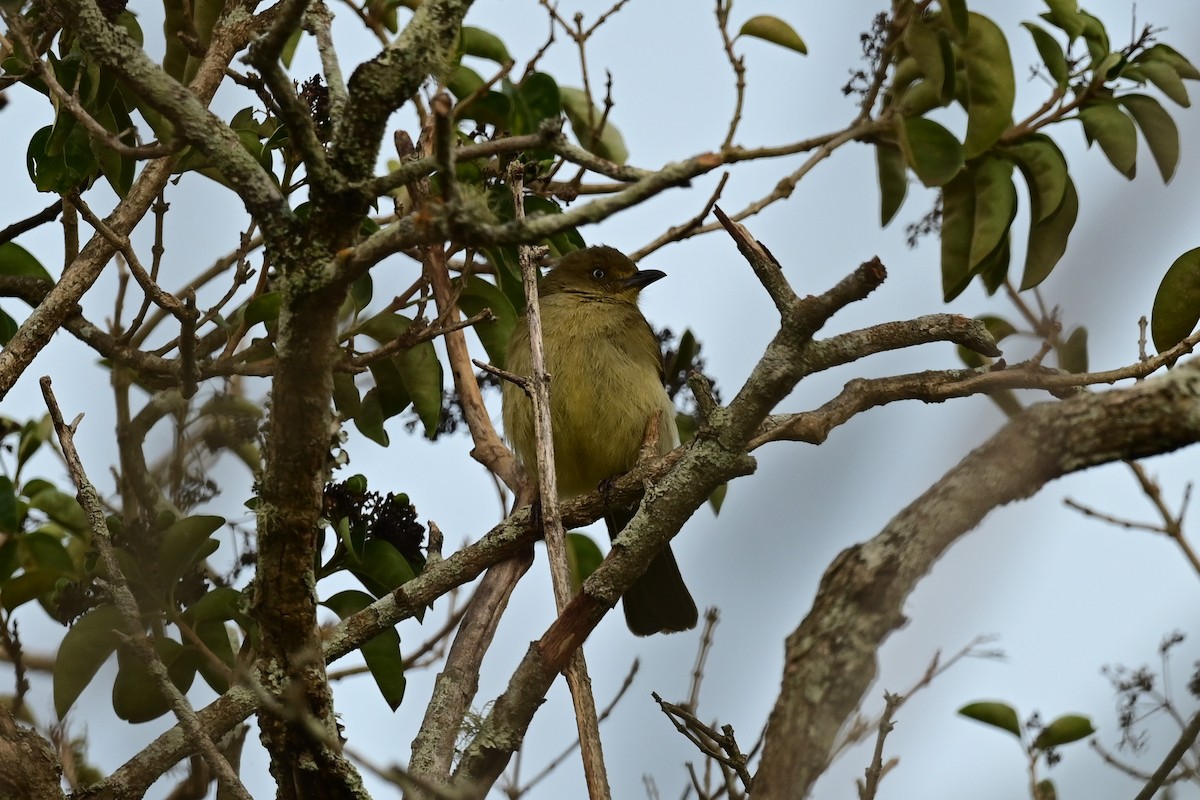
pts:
[599, 271]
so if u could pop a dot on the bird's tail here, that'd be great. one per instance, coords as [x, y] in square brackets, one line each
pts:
[659, 600]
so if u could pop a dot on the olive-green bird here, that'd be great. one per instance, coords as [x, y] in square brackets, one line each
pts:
[606, 382]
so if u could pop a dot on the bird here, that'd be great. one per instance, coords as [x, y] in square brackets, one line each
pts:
[606, 382]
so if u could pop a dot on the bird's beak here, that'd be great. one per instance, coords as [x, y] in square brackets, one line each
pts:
[643, 278]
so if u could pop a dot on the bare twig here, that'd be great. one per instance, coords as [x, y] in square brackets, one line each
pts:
[721, 746]
[1186, 739]
[556, 539]
[869, 786]
[678, 232]
[47, 214]
[737, 63]
[566, 752]
[127, 604]
[1172, 523]
[163, 299]
[711, 617]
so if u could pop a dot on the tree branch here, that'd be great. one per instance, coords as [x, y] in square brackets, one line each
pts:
[127, 605]
[61, 301]
[830, 657]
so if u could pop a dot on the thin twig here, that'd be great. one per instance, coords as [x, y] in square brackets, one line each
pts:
[70, 101]
[868, 787]
[127, 604]
[738, 64]
[721, 746]
[1172, 524]
[47, 214]
[556, 539]
[162, 298]
[1186, 739]
[711, 617]
[566, 752]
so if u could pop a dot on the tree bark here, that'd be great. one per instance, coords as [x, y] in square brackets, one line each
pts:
[830, 658]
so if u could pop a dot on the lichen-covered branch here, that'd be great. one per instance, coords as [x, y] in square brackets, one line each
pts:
[831, 657]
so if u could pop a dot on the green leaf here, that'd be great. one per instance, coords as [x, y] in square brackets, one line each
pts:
[920, 98]
[995, 207]
[62, 508]
[1064, 730]
[978, 207]
[991, 87]
[1073, 353]
[540, 94]
[60, 164]
[1162, 137]
[463, 81]
[17, 261]
[289, 47]
[392, 395]
[363, 289]
[86, 647]
[1177, 304]
[8, 328]
[136, 695]
[1169, 55]
[1164, 76]
[560, 243]
[418, 370]
[264, 308]
[1048, 239]
[1051, 53]
[476, 294]
[175, 22]
[42, 550]
[478, 42]
[183, 544]
[1045, 171]
[1046, 790]
[220, 604]
[932, 151]
[998, 327]
[33, 434]
[28, 586]
[382, 568]
[215, 636]
[925, 45]
[9, 561]
[959, 17]
[583, 556]
[1096, 39]
[1104, 122]
[717, 498]
[774, 30]
[381, 653]
[993, 270]
[996, 714]
[958, 220]
[9, 518]
[609, 144]
[1064, 14]
[893, 180]
[369, 419]
[421, 372]
[490, 108]
[345, 395]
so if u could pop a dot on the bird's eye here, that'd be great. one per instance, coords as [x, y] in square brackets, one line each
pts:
[598, 274]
